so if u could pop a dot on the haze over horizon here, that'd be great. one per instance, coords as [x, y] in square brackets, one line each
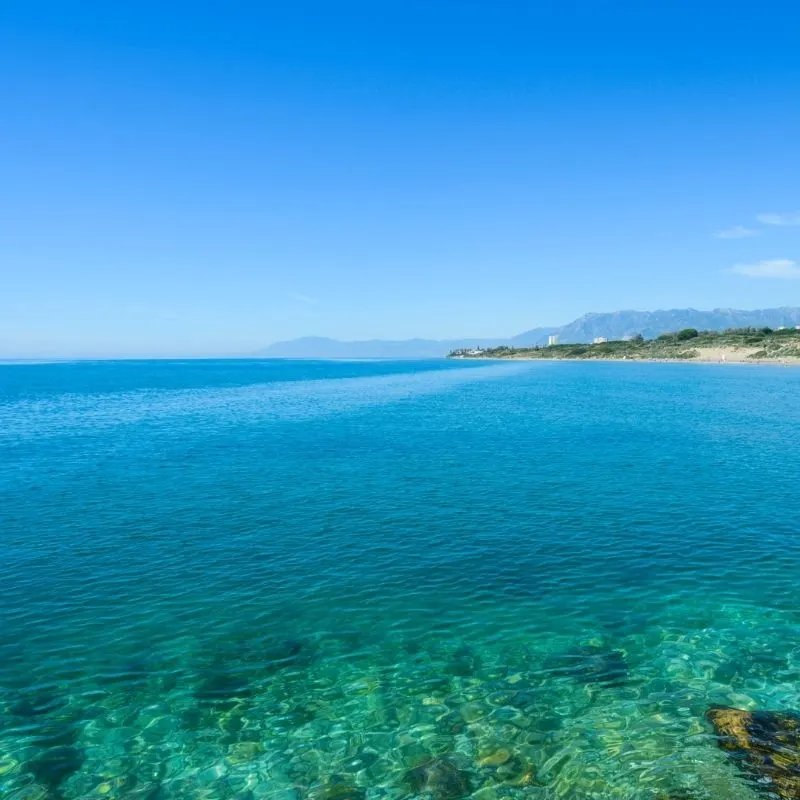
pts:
[202, 179]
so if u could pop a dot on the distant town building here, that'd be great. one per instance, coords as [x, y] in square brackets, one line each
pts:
[599, 340]
[551, 340]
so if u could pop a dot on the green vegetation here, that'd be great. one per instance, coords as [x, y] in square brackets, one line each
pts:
[739, 343]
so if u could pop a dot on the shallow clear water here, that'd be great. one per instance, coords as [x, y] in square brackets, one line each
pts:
[305, 579]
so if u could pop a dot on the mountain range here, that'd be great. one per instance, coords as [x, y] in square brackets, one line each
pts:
[611, 325]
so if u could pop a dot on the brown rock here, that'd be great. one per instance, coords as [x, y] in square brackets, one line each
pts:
[766, 746]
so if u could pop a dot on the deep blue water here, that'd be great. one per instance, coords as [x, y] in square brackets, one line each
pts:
[251, 579]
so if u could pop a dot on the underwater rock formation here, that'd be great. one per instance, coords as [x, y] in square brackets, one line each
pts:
[286, 653]
[51, 767]
[591, 664]
[35, 703]
[765, 745]
[506, 767]
[463, 663]
[222, 689]
[440, 778]
[337, 789]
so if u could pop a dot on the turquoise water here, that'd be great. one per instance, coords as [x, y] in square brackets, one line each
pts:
[290, 580]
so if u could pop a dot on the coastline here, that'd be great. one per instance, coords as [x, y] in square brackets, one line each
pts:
[760, 362]
[724, 356]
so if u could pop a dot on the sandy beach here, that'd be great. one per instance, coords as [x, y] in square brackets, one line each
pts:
[736, 355]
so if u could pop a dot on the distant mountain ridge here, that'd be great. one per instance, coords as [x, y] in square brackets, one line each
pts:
[611, 325]
[619, 324]
[321, 347]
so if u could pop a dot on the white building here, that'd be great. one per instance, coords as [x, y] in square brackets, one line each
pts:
[551, 340]
[599, 340]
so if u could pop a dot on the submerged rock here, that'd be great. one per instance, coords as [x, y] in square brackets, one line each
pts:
[130, 674]
[287, 653]
[517, 772]
[337, 789]
[501, 765]
[222, 689]
[53, 766]
[726, 672]
[472, 712]
[36, 703]
[440, 778]
[765, 745]
[592, 664]
[56, 733]
[494, 757]
[450, 723]
[463, 663]
[243, 752]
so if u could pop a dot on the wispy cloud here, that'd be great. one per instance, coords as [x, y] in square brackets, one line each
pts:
[792, 218]
[303, 298]
[776, 268]
[737, 232]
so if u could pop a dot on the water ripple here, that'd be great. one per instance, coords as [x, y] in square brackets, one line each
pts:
[507, 581]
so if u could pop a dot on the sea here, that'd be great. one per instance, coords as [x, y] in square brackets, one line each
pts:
[369, 580]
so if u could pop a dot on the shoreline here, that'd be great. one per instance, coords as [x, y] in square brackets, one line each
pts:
[780, 348]
[721, 354]
[760, 362]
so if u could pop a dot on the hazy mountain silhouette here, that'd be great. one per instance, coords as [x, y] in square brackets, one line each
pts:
[611, 325]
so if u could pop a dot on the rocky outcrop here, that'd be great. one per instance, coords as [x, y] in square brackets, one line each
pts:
[765, 745]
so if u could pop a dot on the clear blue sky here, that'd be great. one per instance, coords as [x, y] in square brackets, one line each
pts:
[208, 177]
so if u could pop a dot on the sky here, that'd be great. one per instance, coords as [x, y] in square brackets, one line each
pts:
[189, 179]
